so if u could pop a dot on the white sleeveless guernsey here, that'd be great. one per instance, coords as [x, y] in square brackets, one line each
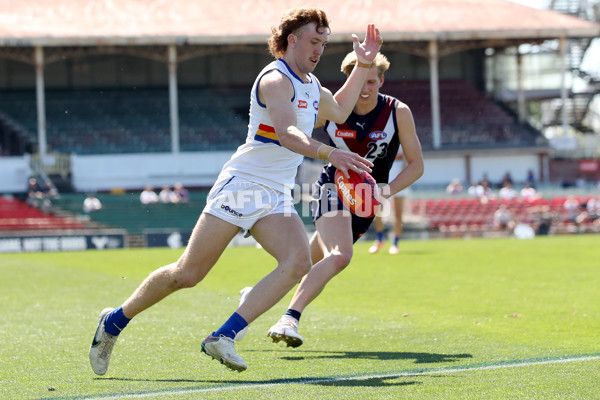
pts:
[262, 159]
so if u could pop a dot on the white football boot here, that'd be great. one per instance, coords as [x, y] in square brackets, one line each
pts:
[102, 345]
[287, 330]
[243, 294]
[222, 349]
[376, 246]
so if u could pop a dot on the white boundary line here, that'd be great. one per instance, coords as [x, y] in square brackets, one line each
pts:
[416, 372]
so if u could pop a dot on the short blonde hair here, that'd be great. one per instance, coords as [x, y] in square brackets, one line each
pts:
[380, 61]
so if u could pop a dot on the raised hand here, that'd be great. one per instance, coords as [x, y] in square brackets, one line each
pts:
[367, 50]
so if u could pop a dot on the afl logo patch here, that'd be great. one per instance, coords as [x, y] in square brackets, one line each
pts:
[316, 105]
[378, 135]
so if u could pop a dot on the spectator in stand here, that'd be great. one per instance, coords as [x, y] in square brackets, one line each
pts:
[541, 219]
[571, 207]
[182, 193]
[576, 210]
[487, 192]
[39, 195]
[50, 190]
[528, 193]
[530, 179]
[148, 196]
[50, 193]
[166, 195]
[455, 187]
[475, 190]
[507, 178]
[35, 195]
[504, 219]
[91, 203]
[593, 207]
[485, 178]
[507, 192]
[593, 210]
[584, 211]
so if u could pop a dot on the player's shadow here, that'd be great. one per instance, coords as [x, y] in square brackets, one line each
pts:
[419, 358]
[366, 382]
[376, 381]
[386, 381]
[369, 382]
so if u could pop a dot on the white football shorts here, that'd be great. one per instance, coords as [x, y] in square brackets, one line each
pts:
[242, 202]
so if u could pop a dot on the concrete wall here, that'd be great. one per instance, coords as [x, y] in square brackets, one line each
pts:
[442, 167]
[133, 171]
[14, 173]
[200, 169]
[496, 166]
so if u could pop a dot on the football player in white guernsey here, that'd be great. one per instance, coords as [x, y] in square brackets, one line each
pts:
[252, 192]
[377, 126]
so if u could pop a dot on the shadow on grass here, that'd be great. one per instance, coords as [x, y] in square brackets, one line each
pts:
[420, 358]
[370, 382]
[322, 381]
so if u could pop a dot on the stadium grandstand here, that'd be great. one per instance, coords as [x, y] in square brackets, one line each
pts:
[97, 96]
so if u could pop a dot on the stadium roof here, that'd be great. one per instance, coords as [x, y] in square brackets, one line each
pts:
[26, 23]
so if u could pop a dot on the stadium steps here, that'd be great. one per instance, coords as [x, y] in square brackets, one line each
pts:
[459, 217]
[136, 241]
[132, 121]
[17, 215]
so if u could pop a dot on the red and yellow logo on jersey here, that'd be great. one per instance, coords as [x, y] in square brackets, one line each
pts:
[266, 134]
[346, 134]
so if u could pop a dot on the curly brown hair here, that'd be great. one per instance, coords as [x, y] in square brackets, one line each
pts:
[291, 21]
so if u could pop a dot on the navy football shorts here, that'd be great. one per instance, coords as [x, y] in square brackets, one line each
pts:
[325, 199]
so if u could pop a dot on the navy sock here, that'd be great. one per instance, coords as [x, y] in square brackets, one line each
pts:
[380, 236]
[115, 322]
[234, 324]
[396, 239]
[293, 313]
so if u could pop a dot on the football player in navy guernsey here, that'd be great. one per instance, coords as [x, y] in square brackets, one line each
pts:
[375, 129]
[253, 190]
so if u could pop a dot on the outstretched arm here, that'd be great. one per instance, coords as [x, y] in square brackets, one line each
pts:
[339, 108]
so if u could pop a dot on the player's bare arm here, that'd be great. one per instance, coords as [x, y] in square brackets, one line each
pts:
[411, 147]
[275, 90]
[339, 108]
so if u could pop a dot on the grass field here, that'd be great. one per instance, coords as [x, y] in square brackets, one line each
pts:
[451, 319]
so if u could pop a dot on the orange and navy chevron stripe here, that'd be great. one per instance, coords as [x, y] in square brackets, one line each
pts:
[266, 134]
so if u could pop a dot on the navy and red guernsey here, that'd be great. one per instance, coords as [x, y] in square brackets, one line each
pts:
[373, 136]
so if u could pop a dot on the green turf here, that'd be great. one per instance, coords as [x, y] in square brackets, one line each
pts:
[444, 319]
